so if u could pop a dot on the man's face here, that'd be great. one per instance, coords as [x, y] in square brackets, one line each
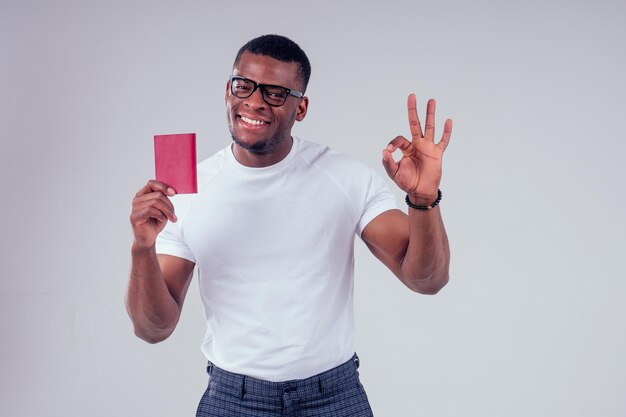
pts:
[255, 125]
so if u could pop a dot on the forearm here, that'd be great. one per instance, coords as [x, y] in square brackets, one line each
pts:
[150, 305]
[425, 265]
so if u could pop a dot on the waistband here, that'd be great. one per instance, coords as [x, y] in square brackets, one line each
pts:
[313, 385]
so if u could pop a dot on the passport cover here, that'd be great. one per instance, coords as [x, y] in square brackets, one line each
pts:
[175, 161]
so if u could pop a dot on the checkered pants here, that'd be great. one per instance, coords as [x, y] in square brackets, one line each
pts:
[334, 393]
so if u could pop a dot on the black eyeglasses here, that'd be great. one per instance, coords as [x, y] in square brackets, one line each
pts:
[274, 95]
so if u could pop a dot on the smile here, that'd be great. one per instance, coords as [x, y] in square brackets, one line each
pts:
[252, 121]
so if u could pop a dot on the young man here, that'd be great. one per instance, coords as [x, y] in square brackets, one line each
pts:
[272, 231]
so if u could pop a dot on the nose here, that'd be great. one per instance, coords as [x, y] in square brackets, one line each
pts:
[256, 100]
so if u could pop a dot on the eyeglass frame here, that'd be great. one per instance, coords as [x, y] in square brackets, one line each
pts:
[257, 86]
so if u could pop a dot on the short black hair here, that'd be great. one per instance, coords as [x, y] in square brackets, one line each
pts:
[280, 48]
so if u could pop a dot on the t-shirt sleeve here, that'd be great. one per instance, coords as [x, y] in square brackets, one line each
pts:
[171, 240]
[378, 199]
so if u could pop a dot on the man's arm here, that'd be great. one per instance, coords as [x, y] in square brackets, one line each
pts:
[158, 283]
[414, 247]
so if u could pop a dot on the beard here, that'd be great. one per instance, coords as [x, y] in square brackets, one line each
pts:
[261, 147]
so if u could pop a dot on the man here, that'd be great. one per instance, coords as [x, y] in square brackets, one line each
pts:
[272, 230]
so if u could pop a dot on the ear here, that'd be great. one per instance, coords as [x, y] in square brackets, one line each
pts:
[227, 91]
[302, 108]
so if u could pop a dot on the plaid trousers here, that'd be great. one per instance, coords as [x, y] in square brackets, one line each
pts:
[334, 393]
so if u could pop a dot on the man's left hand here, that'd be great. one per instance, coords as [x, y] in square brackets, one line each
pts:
[418, 173]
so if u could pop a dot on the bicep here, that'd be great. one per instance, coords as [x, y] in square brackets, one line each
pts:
[387, 237]
[177, 273]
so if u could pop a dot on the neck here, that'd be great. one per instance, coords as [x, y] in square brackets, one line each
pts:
[249, 158]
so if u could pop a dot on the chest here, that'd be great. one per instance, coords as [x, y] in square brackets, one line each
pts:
[266, 220]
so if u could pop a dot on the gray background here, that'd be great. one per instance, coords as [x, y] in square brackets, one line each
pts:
[532, 322]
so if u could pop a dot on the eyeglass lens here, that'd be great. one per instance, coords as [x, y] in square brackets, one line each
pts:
[273, 95]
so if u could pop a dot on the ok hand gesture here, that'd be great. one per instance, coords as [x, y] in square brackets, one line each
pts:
[418, 173]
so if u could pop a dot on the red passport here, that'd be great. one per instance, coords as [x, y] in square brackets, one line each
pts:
[175, 161]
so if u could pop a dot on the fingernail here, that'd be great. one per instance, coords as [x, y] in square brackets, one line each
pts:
[171, 191]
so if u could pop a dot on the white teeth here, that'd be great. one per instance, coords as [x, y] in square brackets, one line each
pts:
[252, 122]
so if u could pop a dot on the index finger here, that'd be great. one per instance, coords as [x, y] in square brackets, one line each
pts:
[414, 120]
[154, 185]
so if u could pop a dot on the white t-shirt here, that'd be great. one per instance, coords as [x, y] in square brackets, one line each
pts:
[274, 248]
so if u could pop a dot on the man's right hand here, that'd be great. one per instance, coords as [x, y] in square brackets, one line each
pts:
[150, 211]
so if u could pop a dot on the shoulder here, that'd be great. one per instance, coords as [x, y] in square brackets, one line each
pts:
[211, 166]
[207, 170]
[358, 182]
[331, 161]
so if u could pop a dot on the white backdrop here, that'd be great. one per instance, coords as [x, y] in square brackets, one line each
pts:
[532, 322]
